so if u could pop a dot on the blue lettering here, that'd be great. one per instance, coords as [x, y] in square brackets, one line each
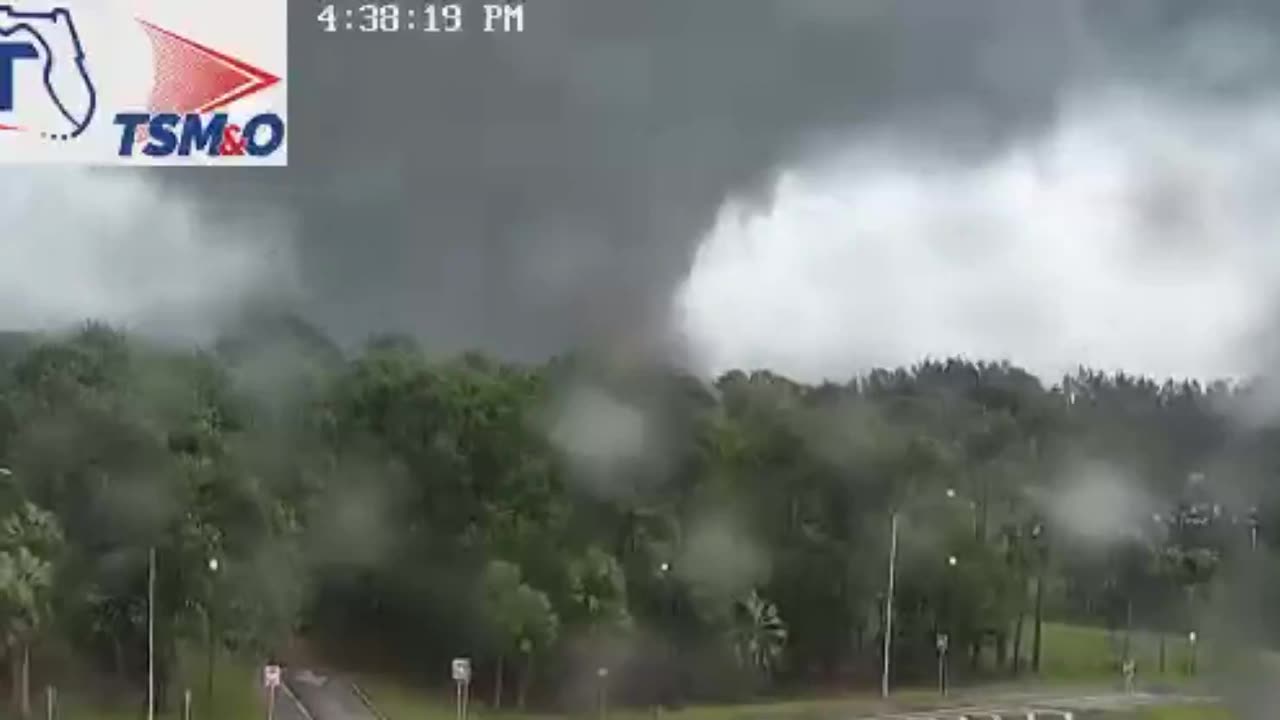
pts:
[130, 123]
[185, 135]
[275, 127]
[163, 138]
[198, 136]
[10, 54]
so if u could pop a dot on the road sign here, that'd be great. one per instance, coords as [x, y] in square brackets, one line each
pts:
[271, 676]
[461, 670]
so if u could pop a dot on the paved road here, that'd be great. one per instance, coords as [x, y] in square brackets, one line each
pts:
[1041, 706]
[287, 708]
[325, 697]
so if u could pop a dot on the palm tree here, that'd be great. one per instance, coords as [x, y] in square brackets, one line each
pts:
[758, 635]
[24, 583]
[26, 579]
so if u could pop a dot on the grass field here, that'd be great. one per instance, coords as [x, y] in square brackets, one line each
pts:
[397, 702]
[1074, 653]
[235, 695]
[1071, 655]
[1198, 712]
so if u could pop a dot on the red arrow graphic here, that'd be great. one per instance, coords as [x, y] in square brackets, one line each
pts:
[193, 78]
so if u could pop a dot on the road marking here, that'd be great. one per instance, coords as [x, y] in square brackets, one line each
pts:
[303, 708]
[368, 702]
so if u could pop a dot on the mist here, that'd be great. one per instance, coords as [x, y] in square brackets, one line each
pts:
[600, 435]
[1101, 503]
[720, 557]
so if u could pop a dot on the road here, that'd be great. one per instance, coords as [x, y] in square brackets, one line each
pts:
[1040, 706]
[287, 708]
[320, 696]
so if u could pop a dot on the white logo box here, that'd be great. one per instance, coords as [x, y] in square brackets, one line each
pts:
[147, 57]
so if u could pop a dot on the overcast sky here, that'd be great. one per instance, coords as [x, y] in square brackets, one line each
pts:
[810, 185]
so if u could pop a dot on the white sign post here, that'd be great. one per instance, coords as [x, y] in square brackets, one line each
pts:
[271, 681]
[461, 670]
[602, 674]
[944, 644]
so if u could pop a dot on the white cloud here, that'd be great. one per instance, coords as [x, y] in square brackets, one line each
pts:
[121, 248]
[1135, 234]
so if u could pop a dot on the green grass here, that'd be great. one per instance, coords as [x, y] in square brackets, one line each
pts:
[235, 693]
[399, 702]
[395, 701]
[1073, 653]
[1182, 712]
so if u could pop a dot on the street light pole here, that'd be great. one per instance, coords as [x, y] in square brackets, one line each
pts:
[602, 675]
[944, 632]
[151, 634]
[209, 641]
[888, 604]
[671, 685]
[888, 597]
[944, 641]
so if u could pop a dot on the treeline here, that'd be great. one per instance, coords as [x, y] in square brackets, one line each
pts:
[698, 540]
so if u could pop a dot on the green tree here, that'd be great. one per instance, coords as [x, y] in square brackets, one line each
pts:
[758, 636]
[30, 541]
[521, 622]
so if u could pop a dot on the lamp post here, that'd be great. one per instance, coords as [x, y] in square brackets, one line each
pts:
[888, 604]
[671, 684]
[944, 634]
[1042, 560]
[894, 516]
[211, 646]
[151, 634]
[602, 676]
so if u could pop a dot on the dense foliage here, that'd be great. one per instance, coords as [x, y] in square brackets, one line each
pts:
[696, 539]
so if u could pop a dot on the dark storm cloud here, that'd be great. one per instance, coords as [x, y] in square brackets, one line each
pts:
[525, 192]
